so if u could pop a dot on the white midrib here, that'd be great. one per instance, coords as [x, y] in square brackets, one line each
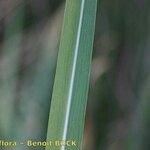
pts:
[71, 84]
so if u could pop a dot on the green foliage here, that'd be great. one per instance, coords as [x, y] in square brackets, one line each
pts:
[118, 108]
[72, 74]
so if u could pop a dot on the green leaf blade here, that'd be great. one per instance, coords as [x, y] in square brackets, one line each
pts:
[66, 121]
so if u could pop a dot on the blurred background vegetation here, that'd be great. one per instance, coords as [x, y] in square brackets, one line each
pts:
[118, 112]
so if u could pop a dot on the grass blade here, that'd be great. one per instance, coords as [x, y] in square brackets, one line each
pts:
[67, 112]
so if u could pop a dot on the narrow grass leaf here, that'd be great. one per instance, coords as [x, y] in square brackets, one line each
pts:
[67, 113]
